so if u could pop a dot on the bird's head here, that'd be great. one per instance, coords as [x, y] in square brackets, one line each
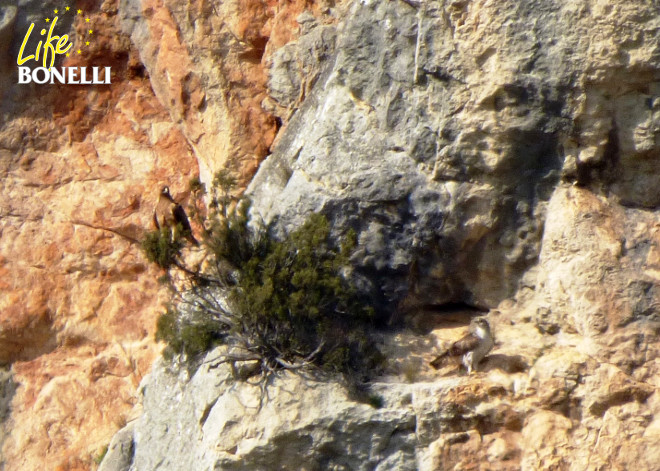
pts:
[481, 326]
[165, 193]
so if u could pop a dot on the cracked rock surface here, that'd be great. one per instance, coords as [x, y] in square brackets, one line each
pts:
[499, 155]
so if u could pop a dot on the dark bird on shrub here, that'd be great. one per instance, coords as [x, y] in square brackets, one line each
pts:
[473, 347]
[169, 213]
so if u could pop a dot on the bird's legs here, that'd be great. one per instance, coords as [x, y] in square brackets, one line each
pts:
[467, 362]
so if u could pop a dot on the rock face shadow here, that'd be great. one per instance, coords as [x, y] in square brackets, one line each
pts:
[506, 363]
[429, 318]
[7, 392]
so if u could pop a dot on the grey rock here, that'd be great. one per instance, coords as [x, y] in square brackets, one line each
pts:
[7, 20]
[7, 391]
[120, 451]
[296, 66]
[448, 206]
[440, 135]
[217, 423]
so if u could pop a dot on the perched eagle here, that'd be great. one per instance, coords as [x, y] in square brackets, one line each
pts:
[169, 213]
[473, 347]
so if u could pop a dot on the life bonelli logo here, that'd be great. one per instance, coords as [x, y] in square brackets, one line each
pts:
[52, 45]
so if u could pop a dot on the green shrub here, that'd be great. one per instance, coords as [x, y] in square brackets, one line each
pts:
[376, 401]
[222, 186]
[293, 302]
[187, 334]
[196, 186]
[286, 301]
[98, 459]
[230, 240]
[161, 247]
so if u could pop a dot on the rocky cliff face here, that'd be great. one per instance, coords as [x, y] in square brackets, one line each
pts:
[490, 155]
[439, 130]
[80, 169]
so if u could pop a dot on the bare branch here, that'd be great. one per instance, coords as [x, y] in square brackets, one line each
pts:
[230, 358]
[291, 366]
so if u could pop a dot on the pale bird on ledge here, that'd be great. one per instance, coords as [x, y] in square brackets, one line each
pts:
[169, 213]
[473, 347]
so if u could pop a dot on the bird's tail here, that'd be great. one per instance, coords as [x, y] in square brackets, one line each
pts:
[191, 238]
[440, 360]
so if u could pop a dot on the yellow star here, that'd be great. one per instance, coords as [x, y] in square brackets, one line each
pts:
[67, 8]
[87, 43]
[79, 51]
[91, 31]
[47, 20]
[55, 11]
[80, 12]
[87, 20]
[67, 54]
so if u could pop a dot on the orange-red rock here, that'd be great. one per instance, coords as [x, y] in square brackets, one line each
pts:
[80, 172]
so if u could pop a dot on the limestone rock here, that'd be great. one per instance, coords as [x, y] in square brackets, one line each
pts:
[296, 66]
[565, 410]
[386, 143]
[80, 173]
[80, 169]
[205, 65]
[7, 392]
[486, 160]
[120, 450]
[7, 21]
[303, 424]
[439, 132]
[489, 154]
